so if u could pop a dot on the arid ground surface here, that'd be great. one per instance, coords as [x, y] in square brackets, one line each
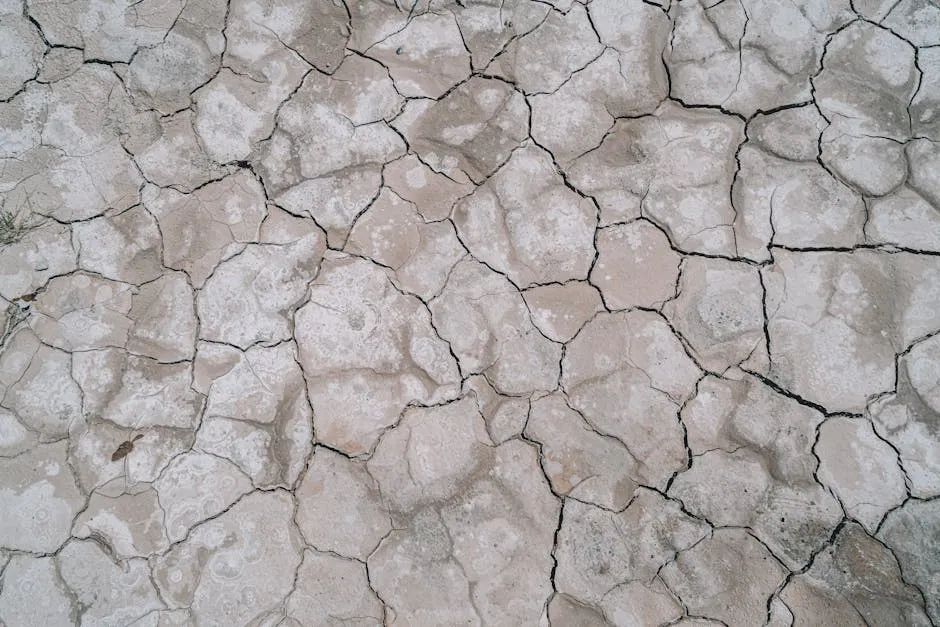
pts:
[482, 312]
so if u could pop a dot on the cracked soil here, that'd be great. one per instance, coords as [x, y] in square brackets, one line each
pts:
[470, 312]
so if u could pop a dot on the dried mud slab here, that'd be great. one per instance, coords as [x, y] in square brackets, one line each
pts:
[470, 312]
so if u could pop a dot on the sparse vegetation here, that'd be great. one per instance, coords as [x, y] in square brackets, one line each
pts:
[15, 314]
[13, 227]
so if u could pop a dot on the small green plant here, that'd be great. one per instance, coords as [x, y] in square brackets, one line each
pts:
[15, 314]
[13, 227]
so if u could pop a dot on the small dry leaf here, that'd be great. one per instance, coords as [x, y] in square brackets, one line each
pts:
[124, 449]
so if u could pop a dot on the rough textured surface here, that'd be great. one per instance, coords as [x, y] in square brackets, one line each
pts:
[475, 526]
[470, 312]
[836, 591]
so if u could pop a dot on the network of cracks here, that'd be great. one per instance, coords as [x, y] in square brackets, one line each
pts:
[504, 312]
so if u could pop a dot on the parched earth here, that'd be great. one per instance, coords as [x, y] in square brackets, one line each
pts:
[465, 312]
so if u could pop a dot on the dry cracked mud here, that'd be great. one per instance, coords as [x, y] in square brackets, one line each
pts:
[470, 312]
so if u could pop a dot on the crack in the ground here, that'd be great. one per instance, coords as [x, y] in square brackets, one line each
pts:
[252, 165]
